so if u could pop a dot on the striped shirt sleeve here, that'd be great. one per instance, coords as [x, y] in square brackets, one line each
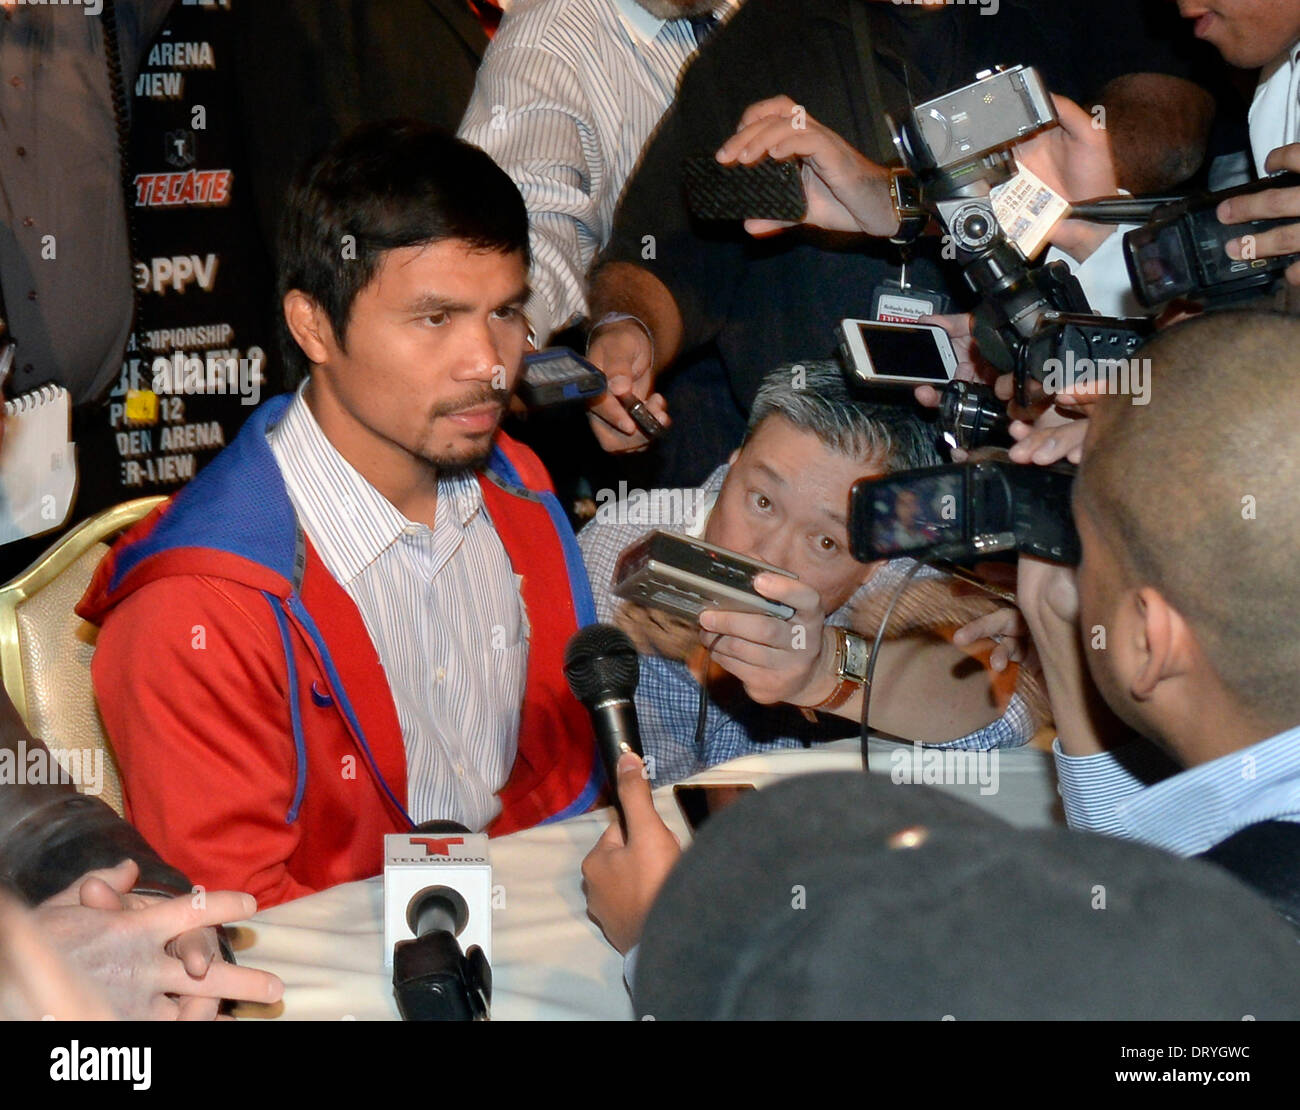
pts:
[529, 112]
[1094, 787]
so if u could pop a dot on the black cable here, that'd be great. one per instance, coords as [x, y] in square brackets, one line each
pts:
[875, 652]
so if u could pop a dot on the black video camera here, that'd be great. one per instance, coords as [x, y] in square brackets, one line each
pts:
[1180, 251]
[957, 147]
[965, 513]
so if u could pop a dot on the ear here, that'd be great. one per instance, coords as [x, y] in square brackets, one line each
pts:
[731, 459]
[309, 326]
[1166, 643]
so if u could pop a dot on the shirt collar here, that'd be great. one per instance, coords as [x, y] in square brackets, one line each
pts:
[353, 524]
[1226, 795]
[697, 520]
[644, 27]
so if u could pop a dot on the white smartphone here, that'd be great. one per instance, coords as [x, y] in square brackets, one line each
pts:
[897, 354]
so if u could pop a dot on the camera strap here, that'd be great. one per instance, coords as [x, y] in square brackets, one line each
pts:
[865, 48]
[894, 300]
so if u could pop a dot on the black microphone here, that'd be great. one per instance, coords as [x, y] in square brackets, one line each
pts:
[433, 980]
[602, 668]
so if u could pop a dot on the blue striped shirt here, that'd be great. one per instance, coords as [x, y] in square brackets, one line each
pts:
[567, 95]
[443, 609]
[1139, 793]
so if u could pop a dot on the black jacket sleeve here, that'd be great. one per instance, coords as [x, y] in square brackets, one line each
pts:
[701, 264]
[50, 835]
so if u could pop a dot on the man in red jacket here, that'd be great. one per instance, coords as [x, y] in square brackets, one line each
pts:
[353, 621]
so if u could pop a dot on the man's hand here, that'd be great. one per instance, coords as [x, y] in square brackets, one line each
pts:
[969, 368]
[776, 660]
[34, 982]
[1006, 628]
[845, 190]
[624, 352]
[1053, 436]
[623, 877]
[1269, 205]
[1075, 160]
[141, 949]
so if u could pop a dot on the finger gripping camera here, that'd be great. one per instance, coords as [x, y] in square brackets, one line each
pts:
[1181, 251]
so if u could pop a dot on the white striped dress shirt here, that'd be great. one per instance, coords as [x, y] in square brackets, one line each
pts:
[567, 95]
[1138, 793]
[443, 609]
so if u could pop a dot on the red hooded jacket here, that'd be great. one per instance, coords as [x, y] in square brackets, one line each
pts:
[257, 738]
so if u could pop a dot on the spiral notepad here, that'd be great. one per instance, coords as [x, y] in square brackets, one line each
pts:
[38, 463]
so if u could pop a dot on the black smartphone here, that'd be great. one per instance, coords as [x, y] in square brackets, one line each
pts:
[699, 801]
[767, 190]
[557, 376]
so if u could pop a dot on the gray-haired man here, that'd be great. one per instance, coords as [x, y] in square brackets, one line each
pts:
[782, 498]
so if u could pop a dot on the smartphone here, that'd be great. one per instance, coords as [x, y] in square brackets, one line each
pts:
[767, 190]
[557, 376]
[641, 416]
[700, 801]
[685, 576]
[883, 353]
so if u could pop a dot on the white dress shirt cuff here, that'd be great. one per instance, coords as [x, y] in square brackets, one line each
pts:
[1104, 276]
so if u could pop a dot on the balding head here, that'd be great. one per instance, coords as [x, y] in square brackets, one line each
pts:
[1197, 495]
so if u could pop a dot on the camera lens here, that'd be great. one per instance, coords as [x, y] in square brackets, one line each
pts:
[973, 225]
[970, 415]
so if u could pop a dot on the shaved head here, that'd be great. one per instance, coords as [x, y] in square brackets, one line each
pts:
[1197, 494]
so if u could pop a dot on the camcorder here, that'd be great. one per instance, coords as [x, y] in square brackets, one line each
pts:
[1180, 251]
[958, 147]
[964, 136]
[965, 513]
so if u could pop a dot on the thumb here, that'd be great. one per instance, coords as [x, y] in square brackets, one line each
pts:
[761, 229]
[1074, 120]
[635, 794]
[102, 889]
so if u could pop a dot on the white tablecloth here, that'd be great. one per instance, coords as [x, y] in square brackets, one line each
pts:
[550, 960]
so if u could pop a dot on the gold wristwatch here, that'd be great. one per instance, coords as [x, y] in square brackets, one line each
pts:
[851, 655]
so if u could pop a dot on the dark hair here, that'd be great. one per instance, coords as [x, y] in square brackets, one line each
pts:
[814, 396]
[398, 183]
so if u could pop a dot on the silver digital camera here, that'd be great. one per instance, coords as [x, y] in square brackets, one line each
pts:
[1000, 108]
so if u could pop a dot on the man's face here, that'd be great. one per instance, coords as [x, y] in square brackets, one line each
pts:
[434, 346]
[1248, 33]
[785, 501]
[905, 507]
